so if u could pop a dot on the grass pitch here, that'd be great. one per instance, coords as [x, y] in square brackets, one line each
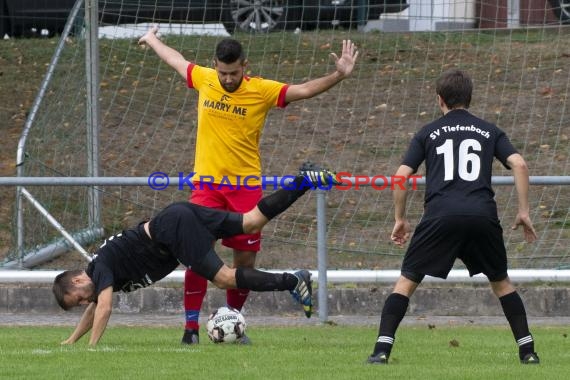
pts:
[323, 352]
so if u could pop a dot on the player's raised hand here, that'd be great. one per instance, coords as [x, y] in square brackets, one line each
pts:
[151, 33]
[400, 232]
[528, 230]
[345, 63]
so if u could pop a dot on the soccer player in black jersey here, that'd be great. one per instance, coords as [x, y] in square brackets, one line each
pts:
[460, 214]
[182, 233]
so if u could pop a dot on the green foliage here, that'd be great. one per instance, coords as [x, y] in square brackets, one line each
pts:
[316, 352]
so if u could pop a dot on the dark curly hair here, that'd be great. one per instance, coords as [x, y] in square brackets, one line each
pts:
[229, 51]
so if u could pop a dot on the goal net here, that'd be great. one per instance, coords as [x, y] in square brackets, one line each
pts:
[520, 67]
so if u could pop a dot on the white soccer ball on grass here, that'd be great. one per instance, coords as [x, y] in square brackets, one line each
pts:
[225, 325]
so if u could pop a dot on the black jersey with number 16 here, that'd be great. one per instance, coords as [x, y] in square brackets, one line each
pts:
[458, 150]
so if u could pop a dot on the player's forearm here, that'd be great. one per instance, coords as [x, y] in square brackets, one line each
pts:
[165, 52]
[100, 320]
[84, 324]
[520, 173]
[313, 87]
[320, 85]
[400, 192]
[400, 197]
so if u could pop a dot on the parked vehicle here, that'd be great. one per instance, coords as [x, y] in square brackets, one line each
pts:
[268, 15]
[31, 17]
[561, 9]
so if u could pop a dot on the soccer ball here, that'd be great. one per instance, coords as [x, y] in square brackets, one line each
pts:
[225, 325]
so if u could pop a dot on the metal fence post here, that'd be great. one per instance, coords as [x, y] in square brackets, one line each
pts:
[322, 258]
[92, 79]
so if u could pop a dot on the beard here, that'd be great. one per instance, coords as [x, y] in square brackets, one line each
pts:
[91, 288]
[231, 87]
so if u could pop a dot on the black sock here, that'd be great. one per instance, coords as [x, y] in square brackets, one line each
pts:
[393, 312]
[515, 313]
[279, 201]
[259, 281]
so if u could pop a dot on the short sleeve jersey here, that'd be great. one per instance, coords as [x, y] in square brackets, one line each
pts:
[458, 150]
[230, 125]
[127, 263]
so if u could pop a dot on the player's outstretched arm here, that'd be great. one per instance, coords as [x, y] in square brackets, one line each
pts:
[101, 315]
[520, 173]
[172, 57]
[344, 66]
[84, 324]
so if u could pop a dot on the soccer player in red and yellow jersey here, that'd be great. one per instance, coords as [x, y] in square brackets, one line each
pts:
[232, 108]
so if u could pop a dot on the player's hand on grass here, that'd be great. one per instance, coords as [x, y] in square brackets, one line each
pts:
[400, 232]
[528, 230]
[345, 63]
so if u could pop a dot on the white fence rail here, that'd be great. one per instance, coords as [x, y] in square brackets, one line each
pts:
[333, 276]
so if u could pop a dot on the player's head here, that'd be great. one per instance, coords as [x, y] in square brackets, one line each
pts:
[73, 288]
[230, 64]
[455, 87]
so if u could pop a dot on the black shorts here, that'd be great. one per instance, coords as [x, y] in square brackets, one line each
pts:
[476, 240]
[189, 231]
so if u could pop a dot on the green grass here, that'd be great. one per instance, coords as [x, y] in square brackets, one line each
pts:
[324, 352]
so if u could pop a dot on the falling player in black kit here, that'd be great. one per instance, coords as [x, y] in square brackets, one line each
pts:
[182, 233]
[460, 214]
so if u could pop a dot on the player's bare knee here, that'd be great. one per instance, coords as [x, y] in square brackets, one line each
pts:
[225, 278]
[503, 287]
[244, 259]
[405, 286]
[251, 229]
[253, 221]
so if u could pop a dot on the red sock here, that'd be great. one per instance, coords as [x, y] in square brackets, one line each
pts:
[194, 291]
[236, 297]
